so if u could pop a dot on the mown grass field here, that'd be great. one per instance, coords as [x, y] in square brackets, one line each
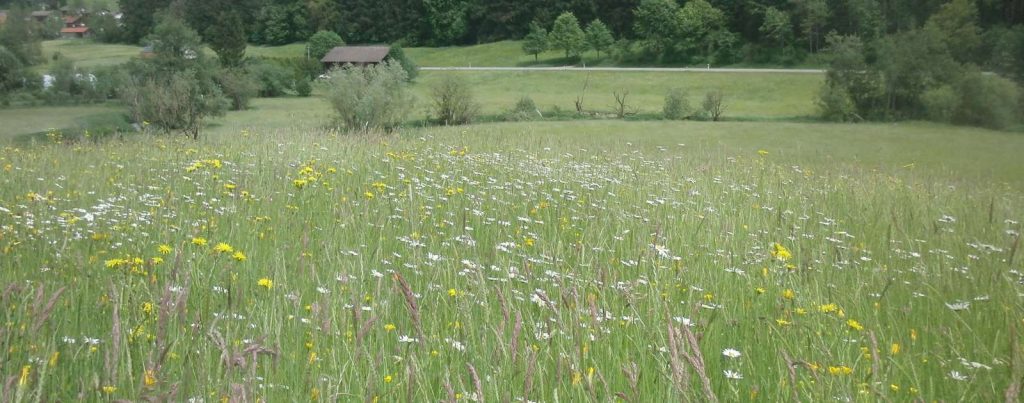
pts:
[547, 261]
[749, 96]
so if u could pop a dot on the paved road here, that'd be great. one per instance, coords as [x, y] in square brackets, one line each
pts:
[628, 69]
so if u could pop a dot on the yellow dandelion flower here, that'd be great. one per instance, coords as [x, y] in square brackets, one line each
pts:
[112, 263]
[894, 349]
[389, 327]
[239, 256]
[780, 252]
[109, 389]
[828, 308]
[25, 372]
[164, 249]
[853, 324]
[149, 378]
[840, 370]
[452, 292]
[388, 379]
[199, 241]
[788, 294]
[223, 248]
[147, 308]
[265, 283]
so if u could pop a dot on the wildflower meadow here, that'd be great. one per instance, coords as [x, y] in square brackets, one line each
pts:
[450, 265]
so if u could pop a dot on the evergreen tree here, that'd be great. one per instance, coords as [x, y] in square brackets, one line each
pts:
[599, 37]
[228, 38]
[536, 41]
[138, 19]
[567, 35]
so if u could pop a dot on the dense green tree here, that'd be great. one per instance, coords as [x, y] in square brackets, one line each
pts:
[599, 37]
[858, 17]
[536, 41]
[176, 45]
[324, 15]
[322, 42]
[618, 15]
[657, 25]
[447, 20]
[105, 28]
[703, 30]
[10, 72]
[1008, 52]
[813, 15]
[19, 37]
[138, 19]
[567, 35]
[777, 26]
[956, 23]
[911, 63]
[850, 81]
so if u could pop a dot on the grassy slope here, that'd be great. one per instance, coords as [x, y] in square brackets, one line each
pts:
[21, 121]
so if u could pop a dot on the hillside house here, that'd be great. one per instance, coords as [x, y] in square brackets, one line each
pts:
[75, 32]
[359, 56]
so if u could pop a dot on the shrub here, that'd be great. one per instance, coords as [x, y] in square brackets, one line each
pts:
[714, 105]
[940, 103]
[11, 71]
[988, 101]
[411, 70]
[238, 87]
[524, 109]
[374, 97]
[677, 106]
[835, 104]
[453, 102]
[322, 42]
[271, 79]
[176, 101]
[303, 87]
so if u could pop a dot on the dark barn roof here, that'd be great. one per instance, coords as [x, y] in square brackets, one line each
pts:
[356, 54]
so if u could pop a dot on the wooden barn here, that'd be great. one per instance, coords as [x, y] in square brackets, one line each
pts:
[360, 56]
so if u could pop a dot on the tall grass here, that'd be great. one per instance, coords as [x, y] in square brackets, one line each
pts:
[458, 265]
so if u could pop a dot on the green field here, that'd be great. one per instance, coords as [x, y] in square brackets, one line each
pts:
[764, 258]
[542, 261]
